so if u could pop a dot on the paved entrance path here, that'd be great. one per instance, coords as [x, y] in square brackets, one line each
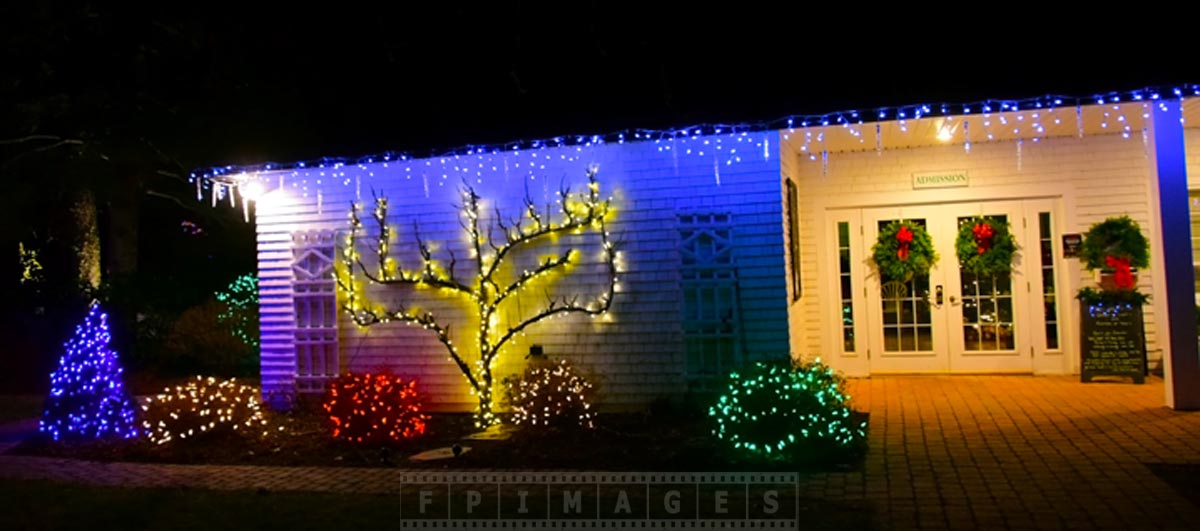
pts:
[963, 452]
[1022, 452]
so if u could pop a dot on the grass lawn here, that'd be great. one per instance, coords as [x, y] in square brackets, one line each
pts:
[46, 505]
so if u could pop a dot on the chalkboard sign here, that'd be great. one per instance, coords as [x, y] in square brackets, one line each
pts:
[1114, 342]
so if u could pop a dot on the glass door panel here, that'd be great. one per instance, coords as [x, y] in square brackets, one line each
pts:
[987, 308]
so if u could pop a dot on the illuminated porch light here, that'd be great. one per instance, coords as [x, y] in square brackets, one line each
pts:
[946, 131]
[252, 189]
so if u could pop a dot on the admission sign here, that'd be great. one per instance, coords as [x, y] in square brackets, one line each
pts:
[941, 179]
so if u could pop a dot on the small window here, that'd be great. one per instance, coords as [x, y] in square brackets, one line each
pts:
[1049, 293]
[846, 310]
[793, 220]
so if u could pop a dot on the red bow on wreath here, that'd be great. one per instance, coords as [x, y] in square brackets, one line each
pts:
[1122, 276]
[905, 237]
[983, 237]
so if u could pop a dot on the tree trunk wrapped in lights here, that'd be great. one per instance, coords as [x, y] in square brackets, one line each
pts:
[578, 212]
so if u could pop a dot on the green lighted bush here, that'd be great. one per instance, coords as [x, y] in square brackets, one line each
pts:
[799, 414]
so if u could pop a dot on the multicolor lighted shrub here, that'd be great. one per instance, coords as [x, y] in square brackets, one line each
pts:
[777, 411]
[374, 408]
[550, 395]
[202, 406]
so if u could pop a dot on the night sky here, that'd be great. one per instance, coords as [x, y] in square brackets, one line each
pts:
[251, 85]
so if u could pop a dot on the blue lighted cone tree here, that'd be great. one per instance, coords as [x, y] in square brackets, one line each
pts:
[489, 286]
[87, 398]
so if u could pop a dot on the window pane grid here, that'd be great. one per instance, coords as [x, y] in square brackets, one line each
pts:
[847, 286]
[987, 309]
[1049, 293]
[907, 321]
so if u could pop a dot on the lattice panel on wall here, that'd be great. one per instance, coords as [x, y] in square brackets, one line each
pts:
[708, 277]
[315, 299]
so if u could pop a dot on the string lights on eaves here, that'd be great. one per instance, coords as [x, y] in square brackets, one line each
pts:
[719, 144]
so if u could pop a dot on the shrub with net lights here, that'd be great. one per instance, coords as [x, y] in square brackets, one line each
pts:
[202, 406]
[776, 411]
[550, 395]
[374, 407]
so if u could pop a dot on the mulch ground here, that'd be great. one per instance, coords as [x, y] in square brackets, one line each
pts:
[627, 441]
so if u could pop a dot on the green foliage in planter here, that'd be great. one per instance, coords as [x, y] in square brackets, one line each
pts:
[1091, 297]
[1119, 237]
[798, 414]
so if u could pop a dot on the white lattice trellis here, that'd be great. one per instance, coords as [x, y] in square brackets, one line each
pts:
[315, 299]
[711, 320]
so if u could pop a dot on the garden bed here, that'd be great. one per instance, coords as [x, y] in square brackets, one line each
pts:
[626, 441]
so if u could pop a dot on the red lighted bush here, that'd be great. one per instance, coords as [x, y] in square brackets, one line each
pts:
[374, 407]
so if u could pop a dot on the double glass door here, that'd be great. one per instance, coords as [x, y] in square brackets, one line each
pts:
[951, 320]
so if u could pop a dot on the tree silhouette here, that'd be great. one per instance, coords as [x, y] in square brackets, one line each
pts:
[490, 285]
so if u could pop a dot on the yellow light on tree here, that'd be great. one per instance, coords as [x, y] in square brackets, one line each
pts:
[582, 212]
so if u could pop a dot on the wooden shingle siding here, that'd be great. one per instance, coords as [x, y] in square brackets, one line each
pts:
[636, 353]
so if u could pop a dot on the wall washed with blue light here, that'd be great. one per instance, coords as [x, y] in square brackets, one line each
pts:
[638, 353]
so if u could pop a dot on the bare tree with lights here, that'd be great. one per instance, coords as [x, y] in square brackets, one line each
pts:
[488, 287]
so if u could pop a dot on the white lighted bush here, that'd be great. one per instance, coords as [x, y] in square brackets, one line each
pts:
[202, 406]
[551, 395]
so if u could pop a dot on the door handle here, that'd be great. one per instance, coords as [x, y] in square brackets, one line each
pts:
[937, 297]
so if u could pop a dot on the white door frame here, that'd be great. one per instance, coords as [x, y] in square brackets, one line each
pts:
[850, 209]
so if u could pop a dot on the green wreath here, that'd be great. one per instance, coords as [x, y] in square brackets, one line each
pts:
[985, 246]
[903, 250]
[1119, 237]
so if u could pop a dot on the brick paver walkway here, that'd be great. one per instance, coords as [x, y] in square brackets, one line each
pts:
[963, 452]
[1023, 452]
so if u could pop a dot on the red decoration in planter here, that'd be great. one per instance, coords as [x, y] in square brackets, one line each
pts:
[905, 237]
[1122, 276]
[983, 237]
